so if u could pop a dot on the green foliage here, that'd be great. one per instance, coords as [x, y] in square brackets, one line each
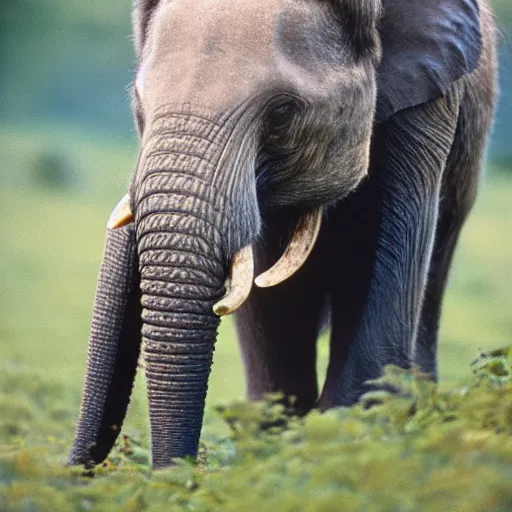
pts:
[421, 448]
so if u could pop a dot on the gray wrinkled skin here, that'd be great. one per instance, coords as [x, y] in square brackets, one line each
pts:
[251, 113]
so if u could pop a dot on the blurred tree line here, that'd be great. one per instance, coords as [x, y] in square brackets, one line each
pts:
[72, 60]
[66, 60]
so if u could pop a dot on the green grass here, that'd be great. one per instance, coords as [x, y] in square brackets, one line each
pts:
[51, 244]
[479, 299]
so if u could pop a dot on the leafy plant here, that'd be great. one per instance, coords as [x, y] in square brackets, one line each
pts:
[419, 447]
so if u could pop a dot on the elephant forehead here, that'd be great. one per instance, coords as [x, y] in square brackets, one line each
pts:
[230, 48]
[216, 29]
[213, 21]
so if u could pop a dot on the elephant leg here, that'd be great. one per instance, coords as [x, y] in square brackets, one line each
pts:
[460, 182]
[448, 229]
[278, 329]
[409, 155]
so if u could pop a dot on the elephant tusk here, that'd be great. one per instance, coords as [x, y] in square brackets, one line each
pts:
[240, 282]
[297, 252]
[122, 214]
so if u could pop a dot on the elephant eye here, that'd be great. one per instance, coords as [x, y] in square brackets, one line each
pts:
[280, 119]
[139, 119]
[137, 110]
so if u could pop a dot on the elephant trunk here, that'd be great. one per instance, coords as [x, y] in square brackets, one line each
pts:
[180, 284]
[114, 346]
[180, 217]
[163, 276]
[194, 203]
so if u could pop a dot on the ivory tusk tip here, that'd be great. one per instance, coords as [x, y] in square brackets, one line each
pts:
[263, 282]
[239, 284]
[122, 214]
[119, 223]
[296, 254]
[221, 309]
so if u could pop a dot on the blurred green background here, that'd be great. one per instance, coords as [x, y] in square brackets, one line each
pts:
[67, 149]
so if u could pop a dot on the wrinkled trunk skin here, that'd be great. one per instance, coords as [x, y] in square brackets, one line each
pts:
[114, 346]
[179, 214]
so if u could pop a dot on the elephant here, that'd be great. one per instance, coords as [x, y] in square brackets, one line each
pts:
[333, 149]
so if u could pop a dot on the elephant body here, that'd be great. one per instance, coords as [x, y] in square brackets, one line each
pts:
[376, 115]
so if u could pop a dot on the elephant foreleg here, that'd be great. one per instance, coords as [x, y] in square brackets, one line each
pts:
[460, 182]
[409, 156]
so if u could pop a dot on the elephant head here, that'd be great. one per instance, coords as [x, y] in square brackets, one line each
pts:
[243, 108]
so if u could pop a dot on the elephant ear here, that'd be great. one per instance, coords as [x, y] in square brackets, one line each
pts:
[142, 12]
[426, 46]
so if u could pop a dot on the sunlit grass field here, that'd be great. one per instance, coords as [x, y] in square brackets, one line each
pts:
[51, 241]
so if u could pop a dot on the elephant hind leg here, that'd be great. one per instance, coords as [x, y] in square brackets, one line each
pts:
[458, 193]
[278, 329]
